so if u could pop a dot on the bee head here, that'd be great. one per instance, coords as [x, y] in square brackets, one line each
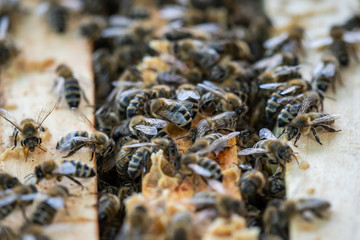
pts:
[291, 132]
[31, 143]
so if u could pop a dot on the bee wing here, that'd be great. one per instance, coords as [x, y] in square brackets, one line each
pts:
[272, 85]
[127, 93]
[136, 145]
[329, 70]
[351, 37]
[318, 69]
[201, 128]
[219, 143]
[209, 86]
[172, 12]
[124, 84]
[199, 170]
[176, 117]
[286, 69]
[156, 122]
[75, 5]
[114, 32]
[284, 100]
[266, 134]
[200, 201]
[8, 200]
[289, 90]
[225, 116]
[66, 145]
[217, 186]
[149, 130]
[42, 8]
[4, 26]
[325, 119]
[118, 20]
[28, 197]
[308, 102]
[183, 94]
[83, 118]
[268, 63]
[245, 167]
[66, 168]
[273, 42]
[10, 118]
[250, 151]
[319, 43]
[44, 113]
[56, 202]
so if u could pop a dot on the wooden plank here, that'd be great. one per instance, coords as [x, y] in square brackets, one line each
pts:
[333, 167]
[25, 91]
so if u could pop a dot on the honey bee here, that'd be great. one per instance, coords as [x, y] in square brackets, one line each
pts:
[340, 43]
[326, 73]
[311, 98]
[8, 49]
[279, 74]
[251, 183]
[278, 59]
[176, 112]
[97, 141]
[67, 86]
[206, 168]
[236, 49]
[222, 121]
[304, 123]
[108, 207]
[29, 129]
[275, 186]
[69, 169]
[286, 42]
[180, 226]
[218, 100]
[226, 69]
[176, 34]
[188, 92]
[274, 149]
[7, 181]
[171, 77]
[224, 205]
[140, 157]
[136, 224]
[293, 86]
[46, 210]
[6, 233]
[20, 197]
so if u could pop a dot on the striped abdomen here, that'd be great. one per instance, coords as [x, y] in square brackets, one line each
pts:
[6, 210]
[82, 170]
[138, 159]
[44, 214]
[193, 108]
[340, 51]
[323, 82]
[288, 113]
[137, 103]
[261, 144]
[67, 142]
[72, 92]
[58, 18]
[122, 166]
[213, 137]
[182, 120]
[211, 166]
[109, 205]
[272, 106]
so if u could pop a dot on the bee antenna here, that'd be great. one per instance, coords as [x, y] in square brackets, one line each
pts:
[41, 149]
[282, 133]
[296, 158]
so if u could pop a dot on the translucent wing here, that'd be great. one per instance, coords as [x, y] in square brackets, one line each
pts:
[322, 42]
[124, 84]
[114, 32]
[8, 200]
[75, 5]
[60, 83]
[66, 145]
[118, 20]
[272, 85]
[217, 186]
[329, 70]
[308, 102]
[250, 151]
[149, 130]
[289, 90]
[28, 197]
[136, 145]
[201, 128]
[325, 119]
[199, 170]
[184, 102]
[42, 8]
[285, 70]
[4, 25]
[83, 118]
[266, 134]
[218, 144]
[56, 202]
[172, 12]
[275, 41]
[156, 122]
[183, 94]
[229, 115]
[245, 167]
[269, 62]
[44, 113]
[10, 118]
[351, 37]
[127, 93]
[284, 100]
[317, 71]
[211, 88]
[66, 168]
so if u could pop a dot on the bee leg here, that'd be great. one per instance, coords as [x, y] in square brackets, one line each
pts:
[297, 138]
[72, 152]
[93, 152]
[329, 129]
[316, 136]
[75, 181]
[15, 134]
[84, 96]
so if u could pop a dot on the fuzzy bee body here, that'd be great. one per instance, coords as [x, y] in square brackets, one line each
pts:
[109, 206]
[57, 16]
[7, 181]
[63, 143]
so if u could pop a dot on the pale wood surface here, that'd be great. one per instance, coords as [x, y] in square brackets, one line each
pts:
[25, 91]
[334, 167]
